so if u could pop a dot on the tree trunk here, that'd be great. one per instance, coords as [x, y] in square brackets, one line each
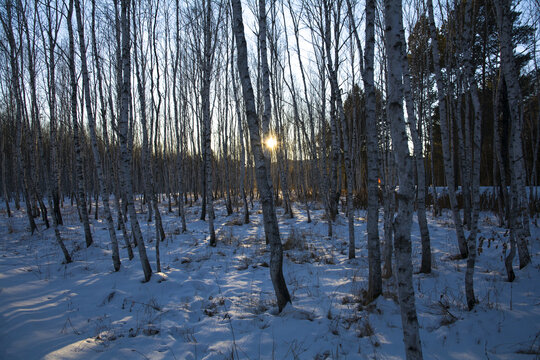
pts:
[265, 86]
[126, 183]
[83, 209]
[503, 196]
[4, 176]
[147, 161]
[447, 157]
[476, 155]
[403, 220]
[518, 201]
[389, 210]
[265, 189]
[374, 252]
[179, 153]
[92, 126]
[425, 267]
[15, 75]
[241, 140]
[207, 120]
[34, 113]
[315, 167]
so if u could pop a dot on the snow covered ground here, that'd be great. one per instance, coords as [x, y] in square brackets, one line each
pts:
[218, 303]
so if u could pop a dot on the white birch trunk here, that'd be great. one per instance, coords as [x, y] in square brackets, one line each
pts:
[518, 212]
[374, 251]
[463, 147]
[126, 182]
[434, 196]
[83, 209]
[297, 120]
[146, 153]
[476, 155]
[425, 266]
[122, 216]
[35, 116]
[340, 119]
[241, 140]
[315, 165]
[267, 107]
[179, 153]
[207, 120]
[16, 91]
[4, 176]
[389, 189]
[93, 138]
[265, 189]
[367, 72]
[403, 220]
[447, 157]
[54, 178]
[503, 197]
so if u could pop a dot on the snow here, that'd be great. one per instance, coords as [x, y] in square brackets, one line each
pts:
[218, 303]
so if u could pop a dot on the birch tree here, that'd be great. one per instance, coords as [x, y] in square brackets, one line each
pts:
[367, 72]
[147, 134]
[81, 194]
[93, 137]
[339, 112]
[21, 170]
[179, 138]
[402, 238]
[448, 163]
[262, 173]
[126, 182]
[239, 118]
[476, 153]
[36, 130]
[315, 166]
[518, 222]
[208, 56]
[54, 178]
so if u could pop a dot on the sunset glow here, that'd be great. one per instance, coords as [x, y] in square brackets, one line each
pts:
[271, 142]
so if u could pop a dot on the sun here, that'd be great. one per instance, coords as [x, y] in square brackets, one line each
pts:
[271, 142]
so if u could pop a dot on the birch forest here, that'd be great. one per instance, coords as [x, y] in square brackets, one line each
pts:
[282, 179]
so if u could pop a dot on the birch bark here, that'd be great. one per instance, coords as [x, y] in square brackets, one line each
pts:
[476, 155]
[34, 111]
[179, 153]
[265, 189]
[518, 196]
[374, 252]
[241, 140]
[126, 182]
[52, 33]
[315, 167]
[425, 266]
[207, 62]
[447, 157]
[402, 226]
[339, 118]
[15, 75]
[83, 209]
[93, 136]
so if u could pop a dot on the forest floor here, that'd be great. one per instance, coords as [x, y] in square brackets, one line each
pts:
[218, 303]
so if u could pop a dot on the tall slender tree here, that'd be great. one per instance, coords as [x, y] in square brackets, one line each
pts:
[367, 69]
[402, 238]
[81, 193]
[518, 204]
[21, 170]
[271, 227]
[447, 157]
[93, 137]
[126, 181]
